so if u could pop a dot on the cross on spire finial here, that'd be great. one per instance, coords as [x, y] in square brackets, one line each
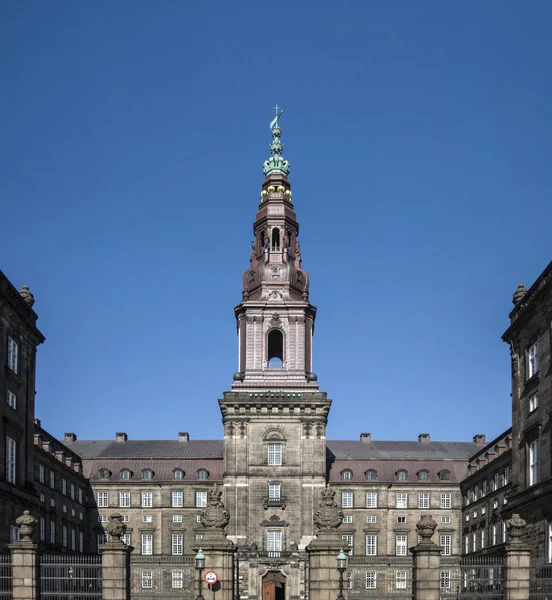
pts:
[277, 108]
[274, 123]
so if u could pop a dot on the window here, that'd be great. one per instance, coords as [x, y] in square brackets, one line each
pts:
[533, 462]
[125, 474]
[103, 518]
[549, 542]
[346, 475]
[371, 475]
[507, 474]
[371, 545]
[274, 454]
[371, 499]
[64, 536]
[496, 479]
[203, 474]
[177, 580]
[65, 508]
[125, 518]
[423, 500]
[401, 545]
[401, 519]
[274, 491]
[347, 499]
[14, 534]
[201, 499]
[275, 347]
[445, 543]
[402, 500]
[12, 399]
[147, 519]
[177, 518]
[482, 538]
[13, 355]
[126, 539]
[42, 498]
[147, 543]
[198, 518]
[350, 580]
[11, 460]
[81, 542]
[198, 536]
[445, 519]
[400, 580]
[52, 502]
[348, 539]
[446, 499]
[533, 402]
[101, 538]
[494, 534]
[177, 499]
[80, 495]
[401, 475]
[466, 544]
[53, 532]
[484, 488]
[533, 360]
[177, 544]
[147, 499]
[103, 499]
[444, 580]
[178, 474]
[147, 579]
[371, 519]
[105, 474]
[41, 473]
[444, 475]
[371, 580]
[72, 491]
[124, 499]
[475, 493]
[274, 540]
[64, 487]
[42, 534]
[423, 475]
[147, 474]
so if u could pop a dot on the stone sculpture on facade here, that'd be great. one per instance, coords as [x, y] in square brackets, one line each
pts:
[215, 515]
[27, 525]
[328, 516]
[516, 527]
[115, 527]
[425, 528]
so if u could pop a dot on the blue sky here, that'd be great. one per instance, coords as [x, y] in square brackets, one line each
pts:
[419, 136]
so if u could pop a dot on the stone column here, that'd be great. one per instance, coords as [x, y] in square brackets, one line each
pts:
[115, 562]
[426, 571]
[25, 565]
[219, 551]
[323, 550]
[517, 561]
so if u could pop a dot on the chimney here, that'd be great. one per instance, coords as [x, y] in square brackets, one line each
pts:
[424, 438]
[183, 436]
[69, 437]
[121, 437]
[365, 437]
[479, 438]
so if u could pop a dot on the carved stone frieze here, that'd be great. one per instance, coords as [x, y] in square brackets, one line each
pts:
[328, 516]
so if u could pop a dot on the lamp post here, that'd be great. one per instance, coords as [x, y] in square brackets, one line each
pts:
[341, 567]
[199, 565]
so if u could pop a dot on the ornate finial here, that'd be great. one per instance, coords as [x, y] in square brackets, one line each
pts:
[115, 527]
[215, 515]
[426, 528]
[276, 163]
[519, 293]
[328, 517]
[516, 527]
[27, 524]
[25, 293]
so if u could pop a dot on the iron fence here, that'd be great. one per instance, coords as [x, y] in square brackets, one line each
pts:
[472, 578]
[374, 577]
[70, 576]
[5, 577]
[540, 584]
[153, 577]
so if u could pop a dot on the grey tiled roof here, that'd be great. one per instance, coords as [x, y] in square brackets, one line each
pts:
[147, 449]
[391, 450]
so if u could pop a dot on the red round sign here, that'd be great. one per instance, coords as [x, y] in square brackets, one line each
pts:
[210, 577]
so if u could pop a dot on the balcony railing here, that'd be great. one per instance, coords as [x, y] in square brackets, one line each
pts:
[274, 553]
[275, 502]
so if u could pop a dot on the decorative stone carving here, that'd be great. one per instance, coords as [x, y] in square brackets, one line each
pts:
[307, 429]
[27, 524]
[328, 516]
[516, 528]
[230, 430]
[26, 294]
[215, 515]
[243, 429]
[115, 527]
[519, 293]
[319, 430]
[426, 528]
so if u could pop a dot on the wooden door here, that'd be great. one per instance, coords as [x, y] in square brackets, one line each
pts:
[269, 590]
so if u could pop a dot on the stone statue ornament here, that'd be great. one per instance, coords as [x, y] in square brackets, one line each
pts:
[516, 527]
[328, 516]
[115, 527]
[426, 528]
[27, 295]
[215, 515]
[27, 524]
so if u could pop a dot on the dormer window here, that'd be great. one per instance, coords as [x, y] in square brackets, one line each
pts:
[444, 475]
[401, 475]
[126, 474]
[147, 474]
[346, 475]
[423, 475]
[178, 474]
[105, 473]
[371, 475]
[203, 474]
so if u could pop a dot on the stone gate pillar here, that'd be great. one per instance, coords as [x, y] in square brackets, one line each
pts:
[426, 570]
[115, 562]
[25, 561]
[517, 561]
[323, 550]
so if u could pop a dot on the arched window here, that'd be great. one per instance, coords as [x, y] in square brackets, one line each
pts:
[346, 475]
[401, 475]
[275, 239]
[147, 474]
[371, 475]
[178, 474]
[275, 344]
[444, 475]
[423, 475]
[203, 474]
[126, 474]
[105, 473]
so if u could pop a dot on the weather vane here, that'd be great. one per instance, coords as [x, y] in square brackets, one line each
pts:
[279, 112]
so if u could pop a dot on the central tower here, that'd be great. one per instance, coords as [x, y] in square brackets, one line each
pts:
[274, 417]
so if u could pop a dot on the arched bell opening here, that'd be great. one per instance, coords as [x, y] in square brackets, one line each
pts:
[276, 239]
[275, 349]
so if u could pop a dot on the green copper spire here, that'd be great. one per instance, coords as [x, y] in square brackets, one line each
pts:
[276, 163]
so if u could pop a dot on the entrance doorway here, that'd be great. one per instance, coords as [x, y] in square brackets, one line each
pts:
[274, 586]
